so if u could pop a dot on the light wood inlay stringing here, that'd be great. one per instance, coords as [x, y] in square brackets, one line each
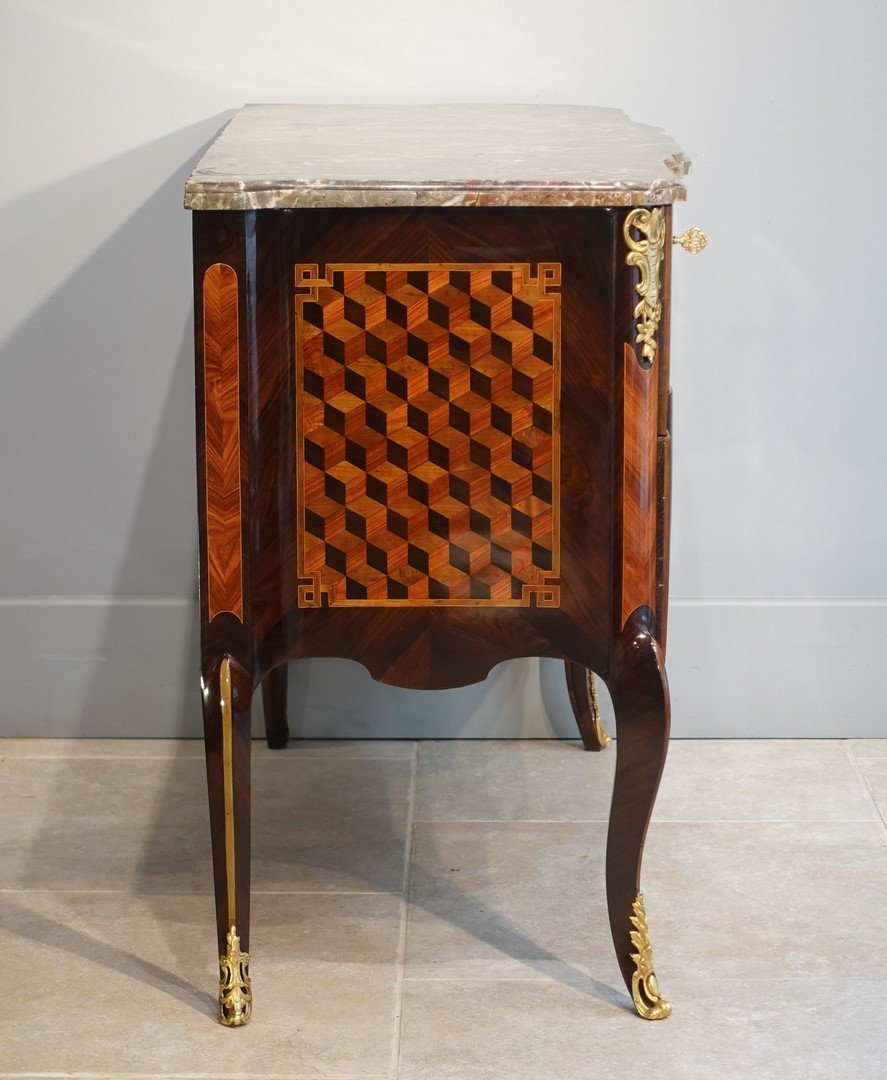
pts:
[428, 441]
[222, 420]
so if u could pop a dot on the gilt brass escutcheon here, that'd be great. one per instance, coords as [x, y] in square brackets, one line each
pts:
[693, 240]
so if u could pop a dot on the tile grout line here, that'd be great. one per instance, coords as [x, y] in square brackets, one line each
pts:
[655, 821]
[879, 756]
[93, 1075]
[876, 813]
[548, 980]
[184, 892]
[298, 759]
[404, 918]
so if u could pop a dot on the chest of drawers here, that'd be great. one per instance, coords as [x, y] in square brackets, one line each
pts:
[433, 432]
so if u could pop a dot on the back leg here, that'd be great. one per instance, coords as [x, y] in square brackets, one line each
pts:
[277, 731]
[583, 698]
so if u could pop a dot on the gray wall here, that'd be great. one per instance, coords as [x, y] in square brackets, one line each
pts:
[779, 574]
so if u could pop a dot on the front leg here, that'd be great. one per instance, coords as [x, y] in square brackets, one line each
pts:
[640, 697]
[227, 692]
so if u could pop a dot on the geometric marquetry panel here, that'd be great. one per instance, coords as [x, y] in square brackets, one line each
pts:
[428, 434]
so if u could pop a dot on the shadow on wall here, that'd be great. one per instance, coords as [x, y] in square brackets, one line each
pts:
[101, 437]
[97, 458]
[97, 447]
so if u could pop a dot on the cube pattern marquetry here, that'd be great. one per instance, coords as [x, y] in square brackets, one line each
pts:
[428, 441]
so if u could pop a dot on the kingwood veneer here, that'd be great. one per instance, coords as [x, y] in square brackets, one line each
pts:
[433, 433]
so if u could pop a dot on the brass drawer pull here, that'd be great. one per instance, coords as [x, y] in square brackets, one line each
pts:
[693, 240]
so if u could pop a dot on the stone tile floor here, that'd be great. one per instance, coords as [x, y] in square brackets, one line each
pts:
[436, 910]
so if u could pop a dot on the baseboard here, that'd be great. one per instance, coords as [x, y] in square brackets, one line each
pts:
[99, 667]
[778, 668]
[792, 668]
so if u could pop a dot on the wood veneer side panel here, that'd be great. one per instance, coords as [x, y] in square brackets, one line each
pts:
[221, 362]
[432, 647]
[639, 486]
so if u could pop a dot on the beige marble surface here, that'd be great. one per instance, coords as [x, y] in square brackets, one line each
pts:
[284, 156]
[433, 910]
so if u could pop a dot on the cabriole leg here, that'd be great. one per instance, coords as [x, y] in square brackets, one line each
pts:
[640, 697]
[227, 691]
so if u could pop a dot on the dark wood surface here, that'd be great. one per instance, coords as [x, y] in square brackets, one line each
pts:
[612, 546]
[639, 690]
[274, 704]
[429, 647]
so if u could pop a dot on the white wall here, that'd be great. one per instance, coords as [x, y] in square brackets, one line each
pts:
[779, 568]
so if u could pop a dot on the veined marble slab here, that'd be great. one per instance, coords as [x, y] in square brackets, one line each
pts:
[283, 156]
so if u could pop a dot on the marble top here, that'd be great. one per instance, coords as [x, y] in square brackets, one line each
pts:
[283, 156]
